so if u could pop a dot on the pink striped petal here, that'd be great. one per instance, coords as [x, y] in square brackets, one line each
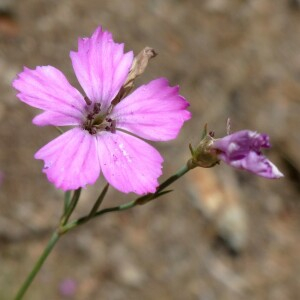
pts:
[71, 160]
[128, 163]
[255, 163]
[242, 150]
[55, 119]
[48, 89]
[101, 66]
[154, 111]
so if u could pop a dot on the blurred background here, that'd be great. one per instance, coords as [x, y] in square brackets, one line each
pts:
[224, 234]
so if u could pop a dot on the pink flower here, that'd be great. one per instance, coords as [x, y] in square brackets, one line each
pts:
[68, 287]
[106, 137]
[242, 150]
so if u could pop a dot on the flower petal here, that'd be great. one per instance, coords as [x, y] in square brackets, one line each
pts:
[48, 89]
[101, 66]
[71, 160]
[255, 163]
[241, 142]
[154, 111]
[128, 163]
[242, 150]
[55, 119]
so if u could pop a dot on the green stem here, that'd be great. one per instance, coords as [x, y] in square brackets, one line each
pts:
[71, 207]
[55, 237]
[83, 220]
[99, 201]
[67, 201]
[131, 204]
[173, 178]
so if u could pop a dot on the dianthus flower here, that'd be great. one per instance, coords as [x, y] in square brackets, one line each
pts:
[242, 150]
[106, 134]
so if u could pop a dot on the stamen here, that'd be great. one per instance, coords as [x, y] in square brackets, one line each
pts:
[87, 100]
[93, 130]
[95, 122]
[113, 126]
[211, 133]
[97, 107]
[228, 126]
[90, 116]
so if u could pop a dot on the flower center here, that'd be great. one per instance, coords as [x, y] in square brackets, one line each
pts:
[96, 120]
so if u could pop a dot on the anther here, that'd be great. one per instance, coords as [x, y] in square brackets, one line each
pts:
[87, 100]
[93, 130]
[113, 126]
[97, 107]
[90, 116]
[211, 133]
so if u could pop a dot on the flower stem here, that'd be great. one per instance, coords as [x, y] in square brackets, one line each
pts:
[53, 240]
[99, 201]
[67, 201]
[69, 207]
[141, 200]
[184, 169]
[68, 210]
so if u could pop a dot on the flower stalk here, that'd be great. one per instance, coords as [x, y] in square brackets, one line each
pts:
[36, 268]
[65, 226]
[71, 207]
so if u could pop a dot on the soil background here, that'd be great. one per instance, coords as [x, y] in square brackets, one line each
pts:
[223, 234]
